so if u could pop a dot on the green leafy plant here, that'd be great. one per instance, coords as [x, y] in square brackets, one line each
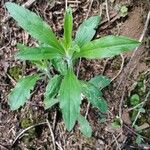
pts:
[64, 88]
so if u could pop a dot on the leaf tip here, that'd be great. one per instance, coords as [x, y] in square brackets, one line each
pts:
[69, 10]
[7, 4]
[69, 127]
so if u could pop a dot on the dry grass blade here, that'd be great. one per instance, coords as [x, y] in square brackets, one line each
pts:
[118, 146]
[52, 134]
[25, 130]
[28, 3]
[59, 146]
[107, 11]
[120, 70]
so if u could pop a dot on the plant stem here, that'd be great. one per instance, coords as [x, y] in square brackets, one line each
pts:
[48, 73]
[69, 60]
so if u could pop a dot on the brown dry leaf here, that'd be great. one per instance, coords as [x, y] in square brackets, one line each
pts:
[126, 118]
[144, 126]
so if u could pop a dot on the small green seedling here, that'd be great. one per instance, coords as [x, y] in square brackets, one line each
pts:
[116, 124]
[123, 11]
[64, 88]
[139, 139]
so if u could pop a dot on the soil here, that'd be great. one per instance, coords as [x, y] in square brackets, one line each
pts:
[134, 73]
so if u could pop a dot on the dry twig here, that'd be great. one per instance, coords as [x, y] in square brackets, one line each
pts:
[59, 146]
[25, 130]
[120, 106]
[110, 145]
[54, 121]
[87, 109]
[66, 4]
[105, 64]
[52, 134]
[142, 105]
[107, 10]
[28, 3]
[118, 146]
[120, 70]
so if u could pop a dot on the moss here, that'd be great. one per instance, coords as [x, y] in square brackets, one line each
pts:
[146, 133]
[26, 122]
[116, 65]
[15, 72]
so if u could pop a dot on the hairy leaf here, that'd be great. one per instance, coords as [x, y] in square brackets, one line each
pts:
[70, 99]
[103, 104]
[94, 95]
[100, 81]
[84, 126]
[68, 23]
[37, 53]
[75, 47]
[107, 46]
[21, 92]
[60, 65]
[52, 90]
[53, 86]
[50, 102]
[86, 30]
[33, 24]
[40, 64]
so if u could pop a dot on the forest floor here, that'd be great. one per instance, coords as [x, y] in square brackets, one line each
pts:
[27, 129]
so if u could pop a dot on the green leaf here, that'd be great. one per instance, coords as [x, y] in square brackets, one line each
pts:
[86, 30]
[94, 95]
[40, 64]
[84, 126]
[75, 47]
[33, 24]
[103, 105]
[52, 89]
[134, 100]
[90, 90]
[68, 23]
[21, 92]
[142, 110]
[70, 99]
[116, 124]
[107, 46]
[100, 81]
[139, 139]
[50, 102]
[53, 86]
[37, 53]
[60, 65]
